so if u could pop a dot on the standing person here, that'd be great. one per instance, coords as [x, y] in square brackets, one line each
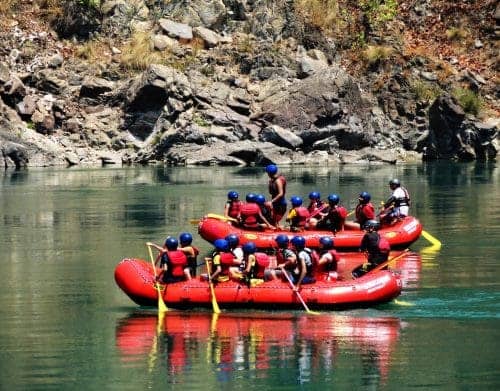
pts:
[364, 211]
[173, 262]
[191, 252]
[328, 259]
[277, 189]
[251, 215]
[334, 216]
[298, 215]
[398, 204]
[233, 205]
[376, 248]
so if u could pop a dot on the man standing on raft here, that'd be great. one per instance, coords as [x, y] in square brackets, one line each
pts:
[277, 189]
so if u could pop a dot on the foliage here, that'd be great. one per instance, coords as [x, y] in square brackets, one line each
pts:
[377, 54]
[456, 34]
[328, 15]
[379, 11]
[7, 6]
[468, 100]
[425, 91]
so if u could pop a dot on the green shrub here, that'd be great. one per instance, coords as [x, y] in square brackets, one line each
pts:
[468, 100]
[425, 91]
[376, 54]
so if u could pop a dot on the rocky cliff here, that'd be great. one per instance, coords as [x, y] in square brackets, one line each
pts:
[241, 82]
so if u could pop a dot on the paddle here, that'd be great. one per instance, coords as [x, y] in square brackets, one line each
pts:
[215, 305]
[221, 217]
[436, 244]
[299, 295]
[161, 304]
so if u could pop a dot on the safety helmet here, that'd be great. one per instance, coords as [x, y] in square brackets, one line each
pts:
[232, 195]
[314, 195]
[333, 199]
[373, 224]
[260, 199]
[171, 243]
[298, 242]
[394, 182]
[365, 196]
[185, 238]
[296, 201]
[271, 169]
[327, 242]
[251, 197]
[233, 240]
[221, 245]
[281, 240]
[249, 248]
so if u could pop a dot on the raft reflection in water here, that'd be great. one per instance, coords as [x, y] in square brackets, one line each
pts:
[264, 345]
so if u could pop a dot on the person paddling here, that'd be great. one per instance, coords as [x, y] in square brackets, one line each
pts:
[376, 248]
[172, 261]
[191, 252]
[397, 205]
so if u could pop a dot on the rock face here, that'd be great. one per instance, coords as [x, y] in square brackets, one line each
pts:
[225, 82]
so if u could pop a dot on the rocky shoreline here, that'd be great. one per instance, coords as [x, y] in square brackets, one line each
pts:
[226, 96]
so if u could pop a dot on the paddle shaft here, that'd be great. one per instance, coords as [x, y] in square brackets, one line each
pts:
[298, 293]
[161, 304]
[384, 264]
[215, 305]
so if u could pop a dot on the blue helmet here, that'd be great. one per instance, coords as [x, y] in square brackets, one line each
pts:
[185, 238]
[260, 199]
[171, 243]
[314, 195]
[271, 169]
[233, 240]
[232, 195]
[365, 196]
[281, 240]
[221, 245]
[327, 242]
[251, 197]
[298, 242]
[296, 201]
[333, 199]
[249, 248]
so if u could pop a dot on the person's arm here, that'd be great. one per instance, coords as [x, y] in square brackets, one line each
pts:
[390, 201]
[250, 262]
[267, 223]
[218, 268]
[302, 268]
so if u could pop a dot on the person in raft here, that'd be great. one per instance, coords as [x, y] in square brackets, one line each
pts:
[364, 211]
[234, 247]
[303, 273]
[398, 204]
[249, 268]
[186, 246]
[251, 215]
[315, 204]
[233, 205]
[173, 262]
[265, 208]
[277, 189]
[285, 258]
[334, 217]
[376, 248]
[222, 261]
[298, 215]
[326, 267]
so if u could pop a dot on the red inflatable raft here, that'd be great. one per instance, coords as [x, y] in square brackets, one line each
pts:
[400, 235]
[136, 278]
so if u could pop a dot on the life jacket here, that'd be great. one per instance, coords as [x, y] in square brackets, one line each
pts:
[177, 261]
[337, 217]
[260, 265]
[310, 258]
[330, 266]
[300, 218]
[364, 212]
[249, 214]
[403, 201]
[282, 255]
[234, 208]
[273, 189]
[315, 206]
[383, 245]
[226, 260]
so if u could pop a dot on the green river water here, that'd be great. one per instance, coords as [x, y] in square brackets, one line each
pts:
[65, 325]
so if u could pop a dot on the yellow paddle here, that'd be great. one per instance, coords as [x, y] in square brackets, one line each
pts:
[215, 305]
[299, 295]
[161, 304]
[384, 264]
[221, 217]
[436, 244]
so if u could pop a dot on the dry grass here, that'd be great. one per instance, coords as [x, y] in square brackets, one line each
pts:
[328, 15]
[94, 51]
[456, 34]
[139, 53]
[7, 6]
[377, 54]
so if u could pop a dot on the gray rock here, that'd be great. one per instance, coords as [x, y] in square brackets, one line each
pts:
[176, 30]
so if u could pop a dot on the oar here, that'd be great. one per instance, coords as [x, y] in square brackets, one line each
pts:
[215, 305]
[221, 217]
[384, 264]
[436, 244]
[299, 295]
[161, 304]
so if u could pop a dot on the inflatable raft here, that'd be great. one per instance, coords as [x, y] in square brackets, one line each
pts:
[136, 278]
[400, 235]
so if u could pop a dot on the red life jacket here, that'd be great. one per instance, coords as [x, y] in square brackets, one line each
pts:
[300, 219]
[249, 213]
[262, 261]
[177, 261]
[226, 261]
[383, 245]
[364, 212]
[234, 208]
[327, 267]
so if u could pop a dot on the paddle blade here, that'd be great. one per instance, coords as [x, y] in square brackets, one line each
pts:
[434, 241]
[162, 308]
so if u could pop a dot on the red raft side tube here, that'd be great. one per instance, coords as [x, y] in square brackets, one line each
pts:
[400, 235]
[135, 277]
